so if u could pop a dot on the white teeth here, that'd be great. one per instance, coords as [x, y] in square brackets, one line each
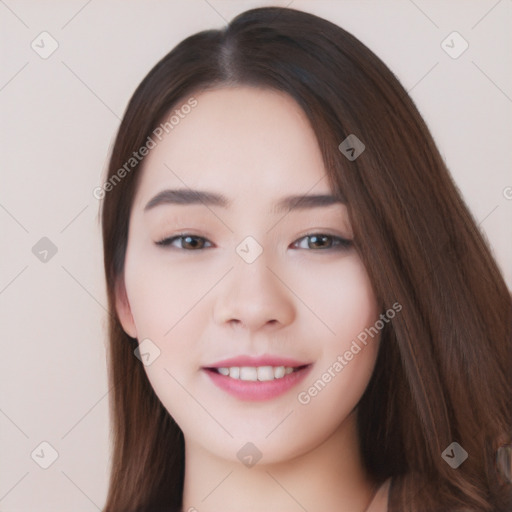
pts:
[279, 372]
[252, 373]
[265, 373]
[248, 373]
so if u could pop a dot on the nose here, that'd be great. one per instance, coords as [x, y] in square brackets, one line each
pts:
[255, 297]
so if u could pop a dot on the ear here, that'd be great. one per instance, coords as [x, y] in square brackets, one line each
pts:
[123, 308]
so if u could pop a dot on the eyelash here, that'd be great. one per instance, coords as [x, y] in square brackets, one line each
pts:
[342, 243]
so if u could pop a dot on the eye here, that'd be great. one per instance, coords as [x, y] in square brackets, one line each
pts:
[323, 241]
[188, 242]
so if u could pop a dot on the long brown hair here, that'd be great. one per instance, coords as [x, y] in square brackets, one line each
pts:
[441, 374]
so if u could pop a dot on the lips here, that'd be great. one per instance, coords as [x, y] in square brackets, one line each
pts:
[257, 378]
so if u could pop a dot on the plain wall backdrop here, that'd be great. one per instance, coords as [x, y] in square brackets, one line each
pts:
[59, 115]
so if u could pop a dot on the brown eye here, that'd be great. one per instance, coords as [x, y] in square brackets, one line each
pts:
[188, 242]
[322, 241]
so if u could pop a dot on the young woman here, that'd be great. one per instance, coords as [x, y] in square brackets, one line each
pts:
[304, 314]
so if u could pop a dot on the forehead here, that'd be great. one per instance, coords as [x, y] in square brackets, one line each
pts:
[243, 141]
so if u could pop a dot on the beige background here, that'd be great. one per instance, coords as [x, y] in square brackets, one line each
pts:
[59, 116]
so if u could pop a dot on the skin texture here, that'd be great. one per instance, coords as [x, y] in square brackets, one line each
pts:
[199, 306]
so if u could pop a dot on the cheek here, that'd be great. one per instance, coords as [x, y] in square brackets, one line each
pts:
[341, 298]
[166, 304]
[348, 354]
[161, 294]
[170, 306]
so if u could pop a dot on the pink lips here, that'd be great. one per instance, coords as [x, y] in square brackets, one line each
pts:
[257, 390]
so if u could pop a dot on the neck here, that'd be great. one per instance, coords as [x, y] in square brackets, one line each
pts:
[327, 477]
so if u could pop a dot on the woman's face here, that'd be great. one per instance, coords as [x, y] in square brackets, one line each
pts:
[236, 282]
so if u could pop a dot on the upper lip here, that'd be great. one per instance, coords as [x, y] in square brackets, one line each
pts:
[266, 360]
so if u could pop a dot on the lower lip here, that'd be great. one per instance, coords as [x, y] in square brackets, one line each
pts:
[257, 390]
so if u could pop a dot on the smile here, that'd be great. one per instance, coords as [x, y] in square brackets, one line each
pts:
[250, 383]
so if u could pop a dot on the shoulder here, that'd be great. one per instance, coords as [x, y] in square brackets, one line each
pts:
[380, 500]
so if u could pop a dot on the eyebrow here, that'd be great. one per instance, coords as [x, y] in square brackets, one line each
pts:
[192, 197]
